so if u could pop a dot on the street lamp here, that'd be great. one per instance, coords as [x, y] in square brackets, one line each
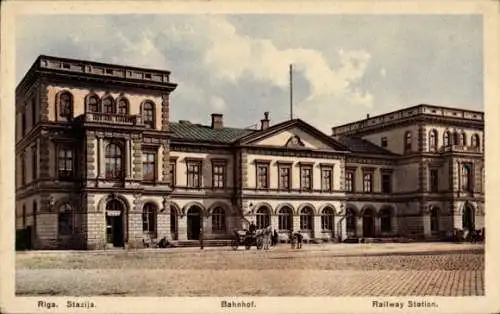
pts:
[51, 202]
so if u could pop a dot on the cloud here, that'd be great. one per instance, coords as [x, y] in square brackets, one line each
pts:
[217, 103]
[232, 56]
[238, 65]
[383, 72]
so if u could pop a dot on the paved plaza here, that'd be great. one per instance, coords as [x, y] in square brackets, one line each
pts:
[414, 269]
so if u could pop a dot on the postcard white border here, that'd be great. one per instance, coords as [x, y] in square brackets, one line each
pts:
[11, 10]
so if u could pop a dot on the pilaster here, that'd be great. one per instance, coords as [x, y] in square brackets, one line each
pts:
[137, 159]
[359, 226]
[165, 109]
[316, 232]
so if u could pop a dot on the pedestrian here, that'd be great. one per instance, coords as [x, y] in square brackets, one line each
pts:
[299, 240]
[292, 239]
[201, 238]
[275, 237]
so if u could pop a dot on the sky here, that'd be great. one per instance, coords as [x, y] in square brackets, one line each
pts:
[345, 66]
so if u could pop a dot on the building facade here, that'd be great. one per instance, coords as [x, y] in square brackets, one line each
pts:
[99, 164]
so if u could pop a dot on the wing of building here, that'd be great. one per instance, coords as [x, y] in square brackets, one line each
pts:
[99, 164]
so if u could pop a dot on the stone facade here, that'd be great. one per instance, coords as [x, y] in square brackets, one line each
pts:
[104, 149]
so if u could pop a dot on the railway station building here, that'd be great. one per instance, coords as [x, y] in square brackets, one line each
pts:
[100, 164]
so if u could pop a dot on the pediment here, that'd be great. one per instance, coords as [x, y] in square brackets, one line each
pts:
[298, 135]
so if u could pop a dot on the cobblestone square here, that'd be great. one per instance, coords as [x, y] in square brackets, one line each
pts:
[417, 269]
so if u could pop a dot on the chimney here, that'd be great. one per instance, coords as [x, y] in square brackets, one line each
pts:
[217, 122]
[368, 116]
[264, 123]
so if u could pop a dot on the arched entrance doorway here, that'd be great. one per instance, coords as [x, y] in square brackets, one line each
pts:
[468, 215]
[263, 217]
[194, 216]
[351, 222]
[368, 223]
[115, 223]
[173, 222]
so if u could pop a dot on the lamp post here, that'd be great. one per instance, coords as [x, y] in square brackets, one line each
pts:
[51, 203]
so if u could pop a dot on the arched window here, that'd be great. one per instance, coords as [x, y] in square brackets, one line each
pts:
[474, 140]
[466, 177]
[123, 106]
[113, 160]
[463, 139]
[434, 220]
[66, 105]
[285, 219]
[108, 105]
[306, 219]
[408, 141]
[433, 140]
[149, 219]
[456, 138]
[446, 139]
[148, 114]
[93, 103]
[351, 222]
[327, 217]
[263, 218]
[385, 220]
[218, 220]
[66, 220]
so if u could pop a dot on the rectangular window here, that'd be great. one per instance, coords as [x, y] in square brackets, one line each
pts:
[383, 142]
[34, 163]
[34, 112]
[218, 175]
[23, 123]
[386, 183]
[262, 176]
[434, 180]
[149, 166]
[368, 182]
[285, 177]
[172, 173]
[194, 174]
[349, 181]
[23, 170]
[326, 179]
[306, 180]
[65, 162]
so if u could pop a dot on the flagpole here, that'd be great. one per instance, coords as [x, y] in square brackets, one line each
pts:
[291, 93]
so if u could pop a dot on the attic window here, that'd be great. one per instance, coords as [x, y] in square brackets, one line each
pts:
[433, 111]
[454, 113]
[109, 71]
[148, 76]
[66, 66]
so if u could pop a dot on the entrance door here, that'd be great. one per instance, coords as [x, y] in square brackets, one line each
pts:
[115, 223]
[468, 218]
[368, 225]
[193, 223]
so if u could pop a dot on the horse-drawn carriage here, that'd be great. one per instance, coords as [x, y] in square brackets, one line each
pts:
[260, 238]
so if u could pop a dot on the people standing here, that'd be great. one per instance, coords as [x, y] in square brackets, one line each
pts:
[201, 239]
[292, 239]
[299, 240]
[275, 237]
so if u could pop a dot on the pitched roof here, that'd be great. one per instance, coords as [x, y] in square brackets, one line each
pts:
[287, 124]
[359, 145]
[187, 131]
